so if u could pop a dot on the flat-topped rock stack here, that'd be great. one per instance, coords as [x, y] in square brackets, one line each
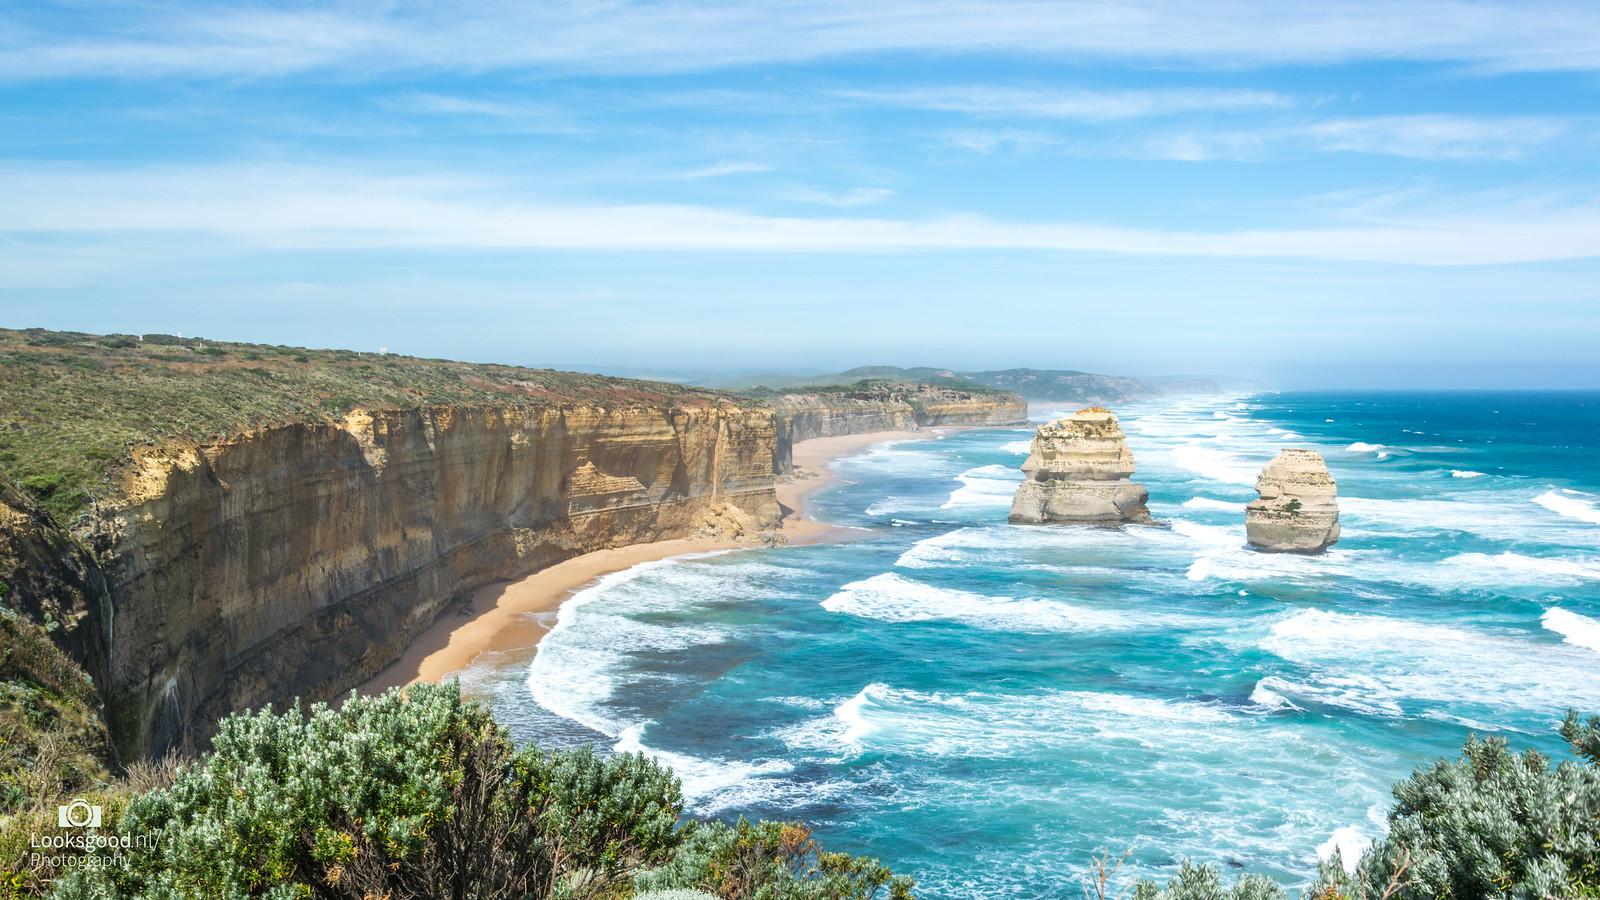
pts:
[1298, 510]
[1078, 471]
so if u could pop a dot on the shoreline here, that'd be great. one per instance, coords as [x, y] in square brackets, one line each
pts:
[502, 616]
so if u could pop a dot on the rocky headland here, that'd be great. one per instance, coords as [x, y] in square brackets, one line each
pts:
[207, 527]
[1298, 510]
[877, 405]
[1079, 470]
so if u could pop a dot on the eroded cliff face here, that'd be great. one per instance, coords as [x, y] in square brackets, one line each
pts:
[300, 560]
[869, 408]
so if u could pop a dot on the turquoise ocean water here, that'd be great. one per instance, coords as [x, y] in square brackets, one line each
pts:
[986, 706]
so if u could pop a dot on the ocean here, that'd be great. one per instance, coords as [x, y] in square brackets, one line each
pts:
[988, 706]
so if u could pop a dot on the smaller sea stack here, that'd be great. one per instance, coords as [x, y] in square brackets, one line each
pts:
[1078, 471]
[1298, 511]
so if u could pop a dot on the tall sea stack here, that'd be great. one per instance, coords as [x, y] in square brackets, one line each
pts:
[1298, 511]
[1078, 471]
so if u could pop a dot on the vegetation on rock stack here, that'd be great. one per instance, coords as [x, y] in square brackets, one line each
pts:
[76, 404]
[418, 793]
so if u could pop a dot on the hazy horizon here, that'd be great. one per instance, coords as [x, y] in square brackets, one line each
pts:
[1307, 195]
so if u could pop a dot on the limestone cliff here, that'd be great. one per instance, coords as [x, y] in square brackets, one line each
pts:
[250, 524]
[1298, 510]
[300, 560]
[885, 406]
[1078, 471]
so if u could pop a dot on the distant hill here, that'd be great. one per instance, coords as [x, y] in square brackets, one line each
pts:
[1049, 385]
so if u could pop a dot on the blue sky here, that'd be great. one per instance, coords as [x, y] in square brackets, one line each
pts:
[1331, 194]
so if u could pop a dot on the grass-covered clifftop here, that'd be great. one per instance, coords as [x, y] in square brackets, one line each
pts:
[75, 404]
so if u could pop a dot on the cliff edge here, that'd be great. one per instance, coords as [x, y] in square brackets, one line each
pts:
[250, 524]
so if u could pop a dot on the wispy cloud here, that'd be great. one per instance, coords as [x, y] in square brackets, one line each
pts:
[505, 115]
[842, 199]
[143, 40]
[1078, 104]
[1438, 136]
[724, 169]
[325, 209]
[1425, 137]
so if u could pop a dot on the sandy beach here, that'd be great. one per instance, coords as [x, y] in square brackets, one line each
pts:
[499, 616]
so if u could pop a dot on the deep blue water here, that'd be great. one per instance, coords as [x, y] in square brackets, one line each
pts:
[986, 706]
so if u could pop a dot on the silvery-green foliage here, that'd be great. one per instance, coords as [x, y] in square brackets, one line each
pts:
[1205, 883]
[675, 894]
[411, 794]
[769, 861]
[1490, 824]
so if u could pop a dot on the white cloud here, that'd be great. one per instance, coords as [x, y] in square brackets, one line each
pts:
[364, 36]
[842, 199]
[505, 115]
[725, 168]
[1429, 137]
[1437, 136]
[1078, 104]
[331, 209]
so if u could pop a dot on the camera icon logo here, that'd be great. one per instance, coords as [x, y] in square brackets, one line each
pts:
[78, 814]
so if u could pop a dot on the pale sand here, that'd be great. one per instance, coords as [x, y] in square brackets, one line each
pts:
[500, 616]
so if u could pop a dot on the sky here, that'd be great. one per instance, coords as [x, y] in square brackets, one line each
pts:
[1394, 194]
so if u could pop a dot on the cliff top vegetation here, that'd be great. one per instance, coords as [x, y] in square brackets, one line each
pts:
[73, 405]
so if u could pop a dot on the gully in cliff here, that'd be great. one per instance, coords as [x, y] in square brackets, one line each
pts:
[1298, 510]
[1078, 471]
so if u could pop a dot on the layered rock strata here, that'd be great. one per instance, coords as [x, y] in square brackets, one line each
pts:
[1298, 510]
[886, 406]
[1078, 471]
[299, 560]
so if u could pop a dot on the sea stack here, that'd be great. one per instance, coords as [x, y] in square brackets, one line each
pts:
[1298, 511]
[1078, 471]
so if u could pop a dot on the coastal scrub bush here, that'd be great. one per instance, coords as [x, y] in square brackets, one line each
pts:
[415, 793]
[420, 794]
[1491, 823]
[770, 861]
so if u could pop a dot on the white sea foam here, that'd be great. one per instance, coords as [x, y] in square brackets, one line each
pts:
[1213, 504]
[1267, 694]
[1510, 519]
[577, 669]
[1465, 473]
[1019, 447]
[1580, 631]
[1348, 842]
[1215, 464]
[978, 724]
[1395, 667]
[709, 785]
[984, 486]
[890, 504]
[1571, 505]
[890, 597]
[1364, 447]
[1506, 567]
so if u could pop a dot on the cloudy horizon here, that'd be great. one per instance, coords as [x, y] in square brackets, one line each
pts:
[1312, 195]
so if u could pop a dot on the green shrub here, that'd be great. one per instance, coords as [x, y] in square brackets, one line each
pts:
[1490, 824]
[770, 861]
[1205, 883]
[411, 794]
[42, 486]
